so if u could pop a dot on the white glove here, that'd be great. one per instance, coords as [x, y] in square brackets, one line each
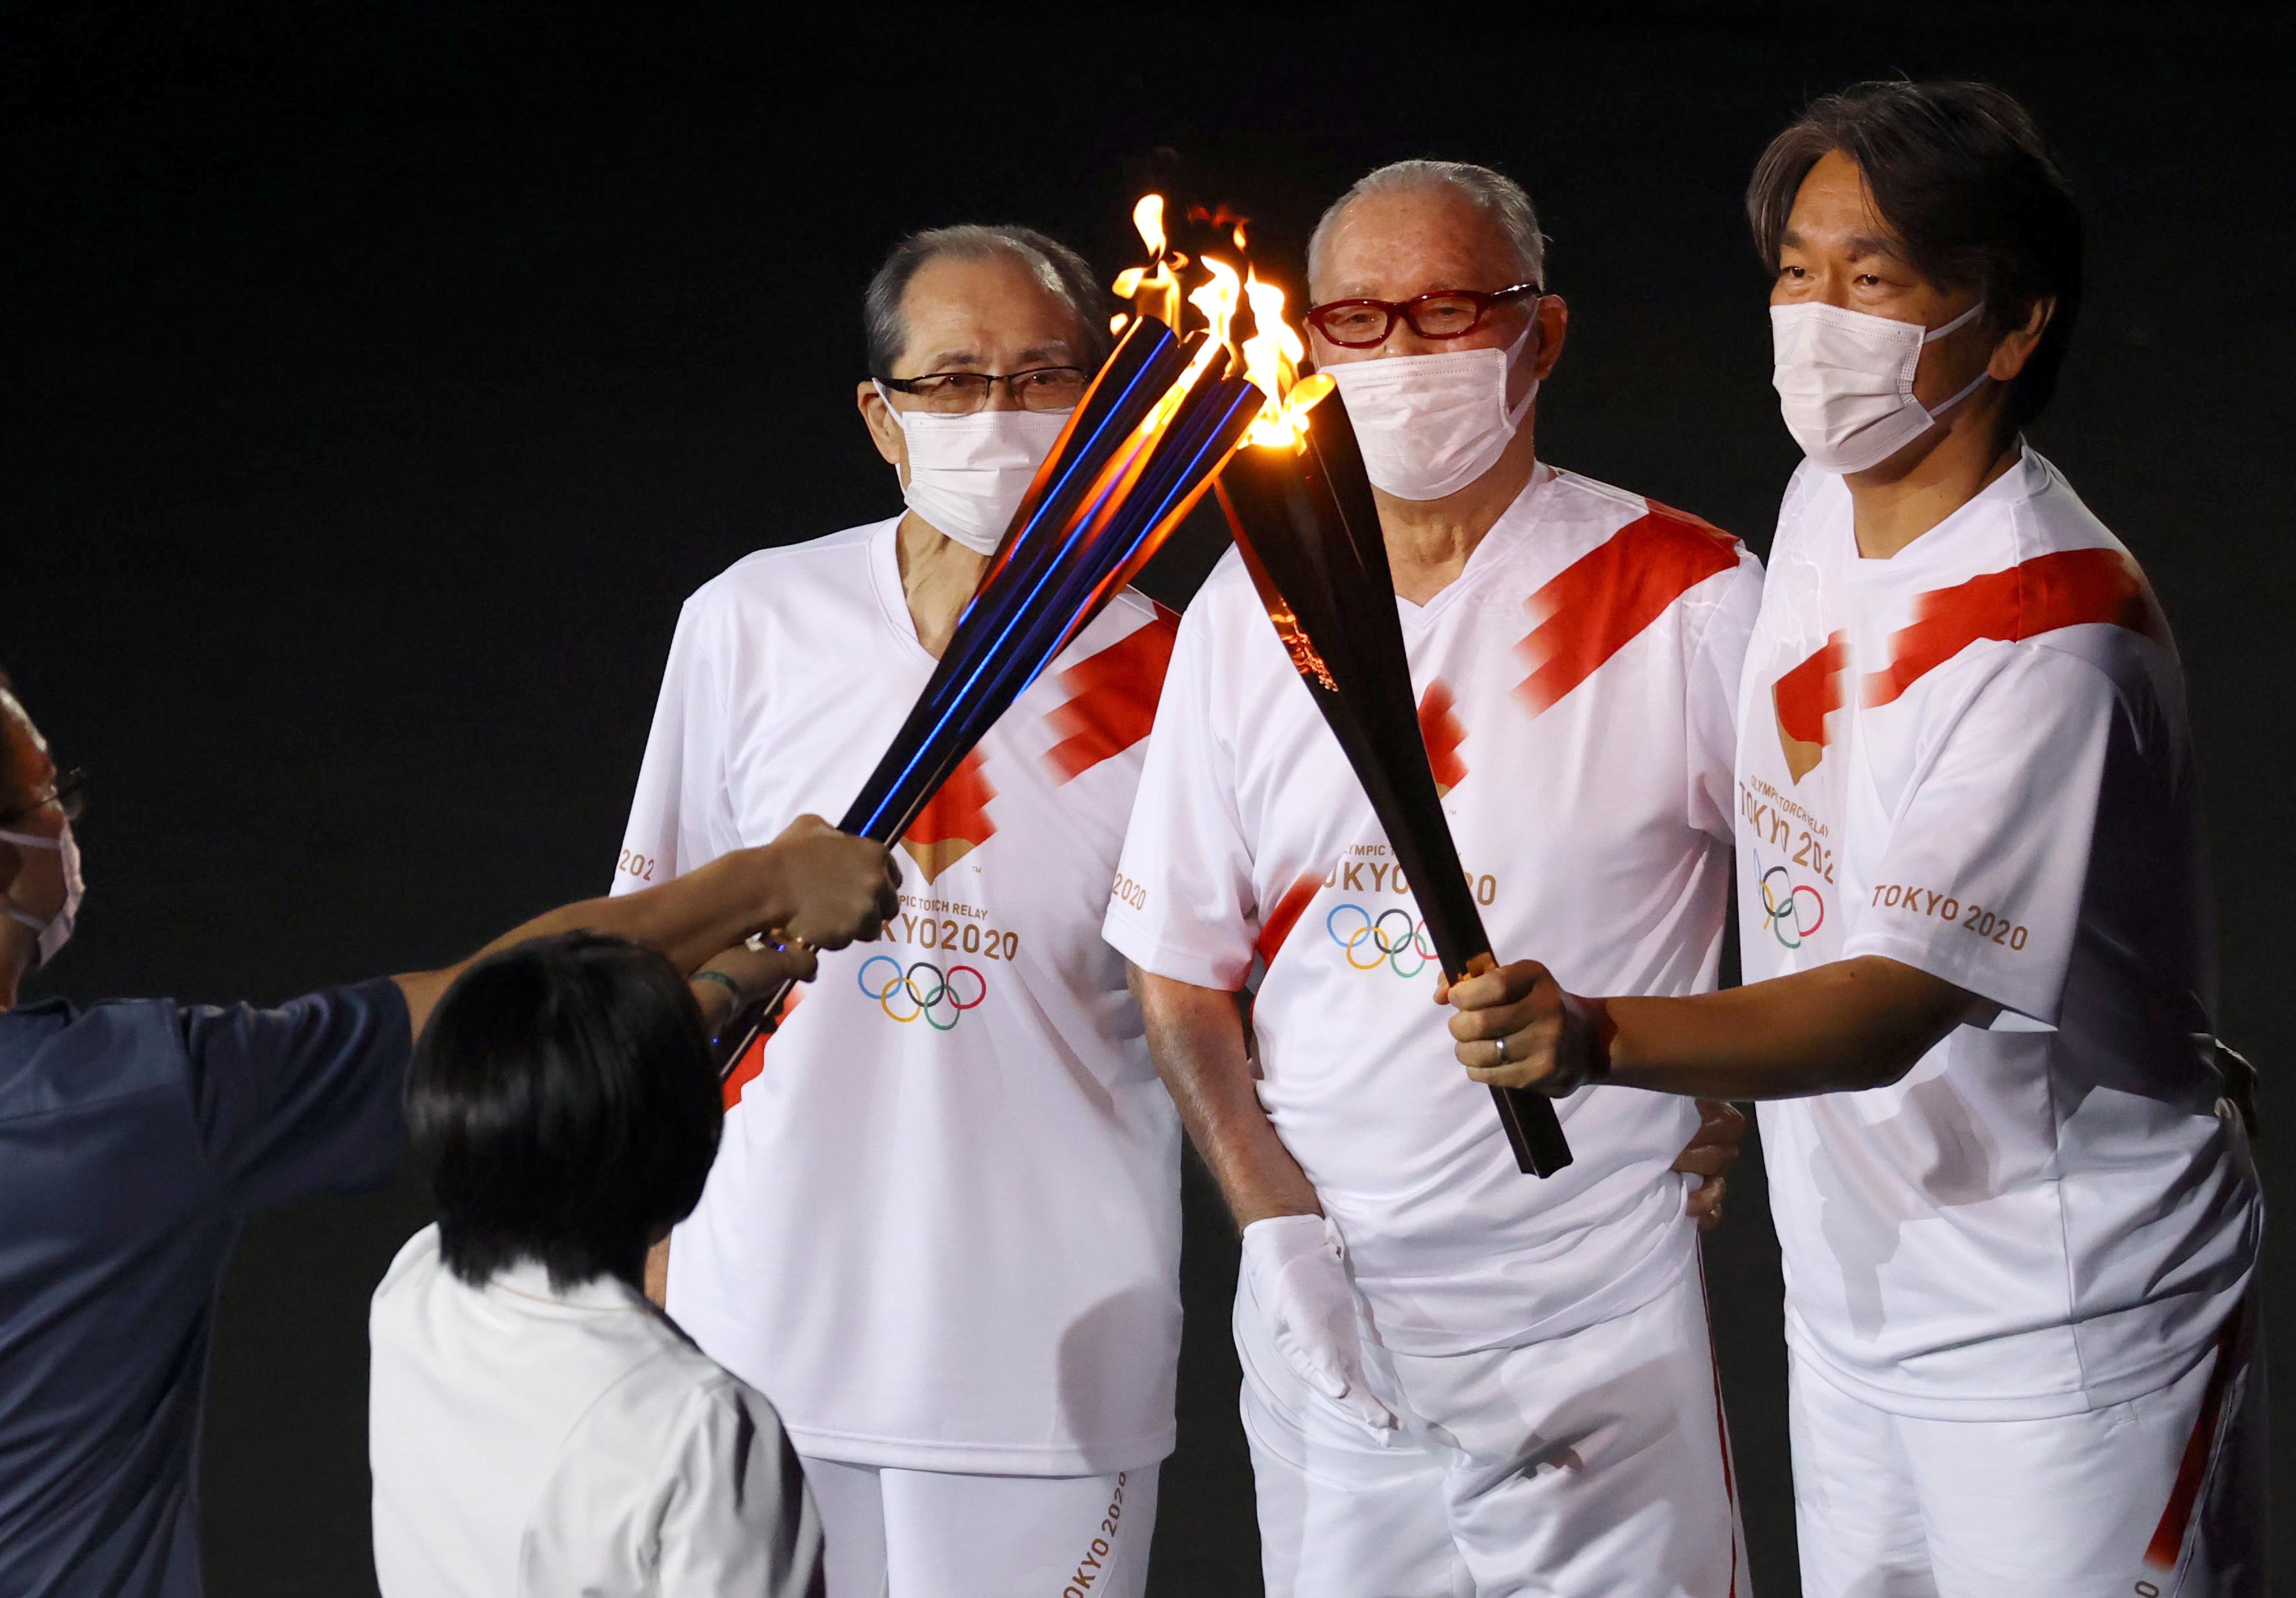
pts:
[1299, 1277]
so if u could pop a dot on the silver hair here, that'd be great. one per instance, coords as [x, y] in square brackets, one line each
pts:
[1061, 270]
[1493, 193]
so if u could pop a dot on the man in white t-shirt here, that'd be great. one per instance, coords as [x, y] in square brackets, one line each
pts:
[1457, 1378]
[2006, 1155]
[943, 1230]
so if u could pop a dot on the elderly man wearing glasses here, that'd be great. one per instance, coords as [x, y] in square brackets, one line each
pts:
[943, 1228]
[1457, 1377]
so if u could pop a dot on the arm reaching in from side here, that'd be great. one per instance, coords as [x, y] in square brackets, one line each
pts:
[813, 885]
[1842, 1028]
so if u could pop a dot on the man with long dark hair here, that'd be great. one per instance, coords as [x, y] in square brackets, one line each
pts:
[2007, 1156]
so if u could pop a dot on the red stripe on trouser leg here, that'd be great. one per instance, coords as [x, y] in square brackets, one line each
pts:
[2192, 1474]
[1721, 1420]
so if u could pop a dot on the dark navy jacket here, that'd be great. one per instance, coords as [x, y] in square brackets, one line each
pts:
[135, 1138]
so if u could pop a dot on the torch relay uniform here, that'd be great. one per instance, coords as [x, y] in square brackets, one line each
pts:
[942, 1233]
[1543, 1342]
[2018, 1280]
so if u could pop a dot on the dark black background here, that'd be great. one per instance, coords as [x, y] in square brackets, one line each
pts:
[378, 380]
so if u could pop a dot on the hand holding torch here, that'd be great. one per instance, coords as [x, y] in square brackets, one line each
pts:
[1138, 452]
[1308, 529]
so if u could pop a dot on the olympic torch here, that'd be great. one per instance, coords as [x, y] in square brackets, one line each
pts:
[1138, 453]
[1305, 522]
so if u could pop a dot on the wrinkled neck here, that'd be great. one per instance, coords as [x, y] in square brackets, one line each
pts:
[1429, 541]
[939, 577]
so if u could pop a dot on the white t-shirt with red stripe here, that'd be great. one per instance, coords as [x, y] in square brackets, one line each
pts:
[1973, 758]
[1577, 687]
[943, 1229]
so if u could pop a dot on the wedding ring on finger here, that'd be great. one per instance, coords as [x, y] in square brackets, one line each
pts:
[1500, 1043]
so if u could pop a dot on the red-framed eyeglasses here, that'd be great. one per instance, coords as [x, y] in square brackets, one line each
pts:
[1445, 314]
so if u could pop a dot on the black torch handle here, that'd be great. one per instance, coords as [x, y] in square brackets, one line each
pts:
[1533, 1130]
[759, 1017]
[1326, 588]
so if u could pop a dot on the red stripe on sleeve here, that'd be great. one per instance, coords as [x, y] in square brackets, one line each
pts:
[1602, 601]
[1280, 921]
[1112, 697]
[2039, 595]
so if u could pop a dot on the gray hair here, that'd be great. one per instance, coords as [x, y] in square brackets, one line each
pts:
[1493, 193]
[1061, 270]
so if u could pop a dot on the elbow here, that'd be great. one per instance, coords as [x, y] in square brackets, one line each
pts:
[1881, 1068]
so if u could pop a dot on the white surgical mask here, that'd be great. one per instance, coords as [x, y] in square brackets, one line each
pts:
[55, 930]
[967, 473]
[1430, 424]
[1845, 381]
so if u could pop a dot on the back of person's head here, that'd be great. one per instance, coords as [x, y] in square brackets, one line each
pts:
[563, 1102]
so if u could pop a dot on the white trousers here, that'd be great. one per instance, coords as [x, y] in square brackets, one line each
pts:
[931, 1534]
[1592, 1464]
[2160, 1497]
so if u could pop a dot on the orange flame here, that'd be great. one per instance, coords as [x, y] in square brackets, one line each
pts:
[1269, 358]
[1154, 290]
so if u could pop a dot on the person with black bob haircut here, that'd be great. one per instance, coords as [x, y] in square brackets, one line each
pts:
[537, 1426]
[2009, 1159]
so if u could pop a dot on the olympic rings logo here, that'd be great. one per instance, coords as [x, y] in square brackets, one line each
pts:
[1369, 942]
[923, 990]
[1780, 913]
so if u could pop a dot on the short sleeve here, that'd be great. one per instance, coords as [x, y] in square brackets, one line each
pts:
[1982, 880]
[303, 1099]
[1182, 906]
[675, 824]
[1718, 660]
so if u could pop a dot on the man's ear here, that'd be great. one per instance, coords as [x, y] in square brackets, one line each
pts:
[2024, 337]
[1553, 327]
[884, 432]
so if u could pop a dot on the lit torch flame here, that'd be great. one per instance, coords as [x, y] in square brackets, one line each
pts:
[1270, 359]
[1154, 289]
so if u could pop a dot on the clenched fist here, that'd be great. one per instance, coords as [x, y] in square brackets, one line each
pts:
[836, 887]
[1516, 1027]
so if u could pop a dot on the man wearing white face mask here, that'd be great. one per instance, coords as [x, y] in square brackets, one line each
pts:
[2009, 1160]
[943, 1227]
[1457, 1378]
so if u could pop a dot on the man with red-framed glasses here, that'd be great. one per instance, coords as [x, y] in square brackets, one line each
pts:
[1457, 1377]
